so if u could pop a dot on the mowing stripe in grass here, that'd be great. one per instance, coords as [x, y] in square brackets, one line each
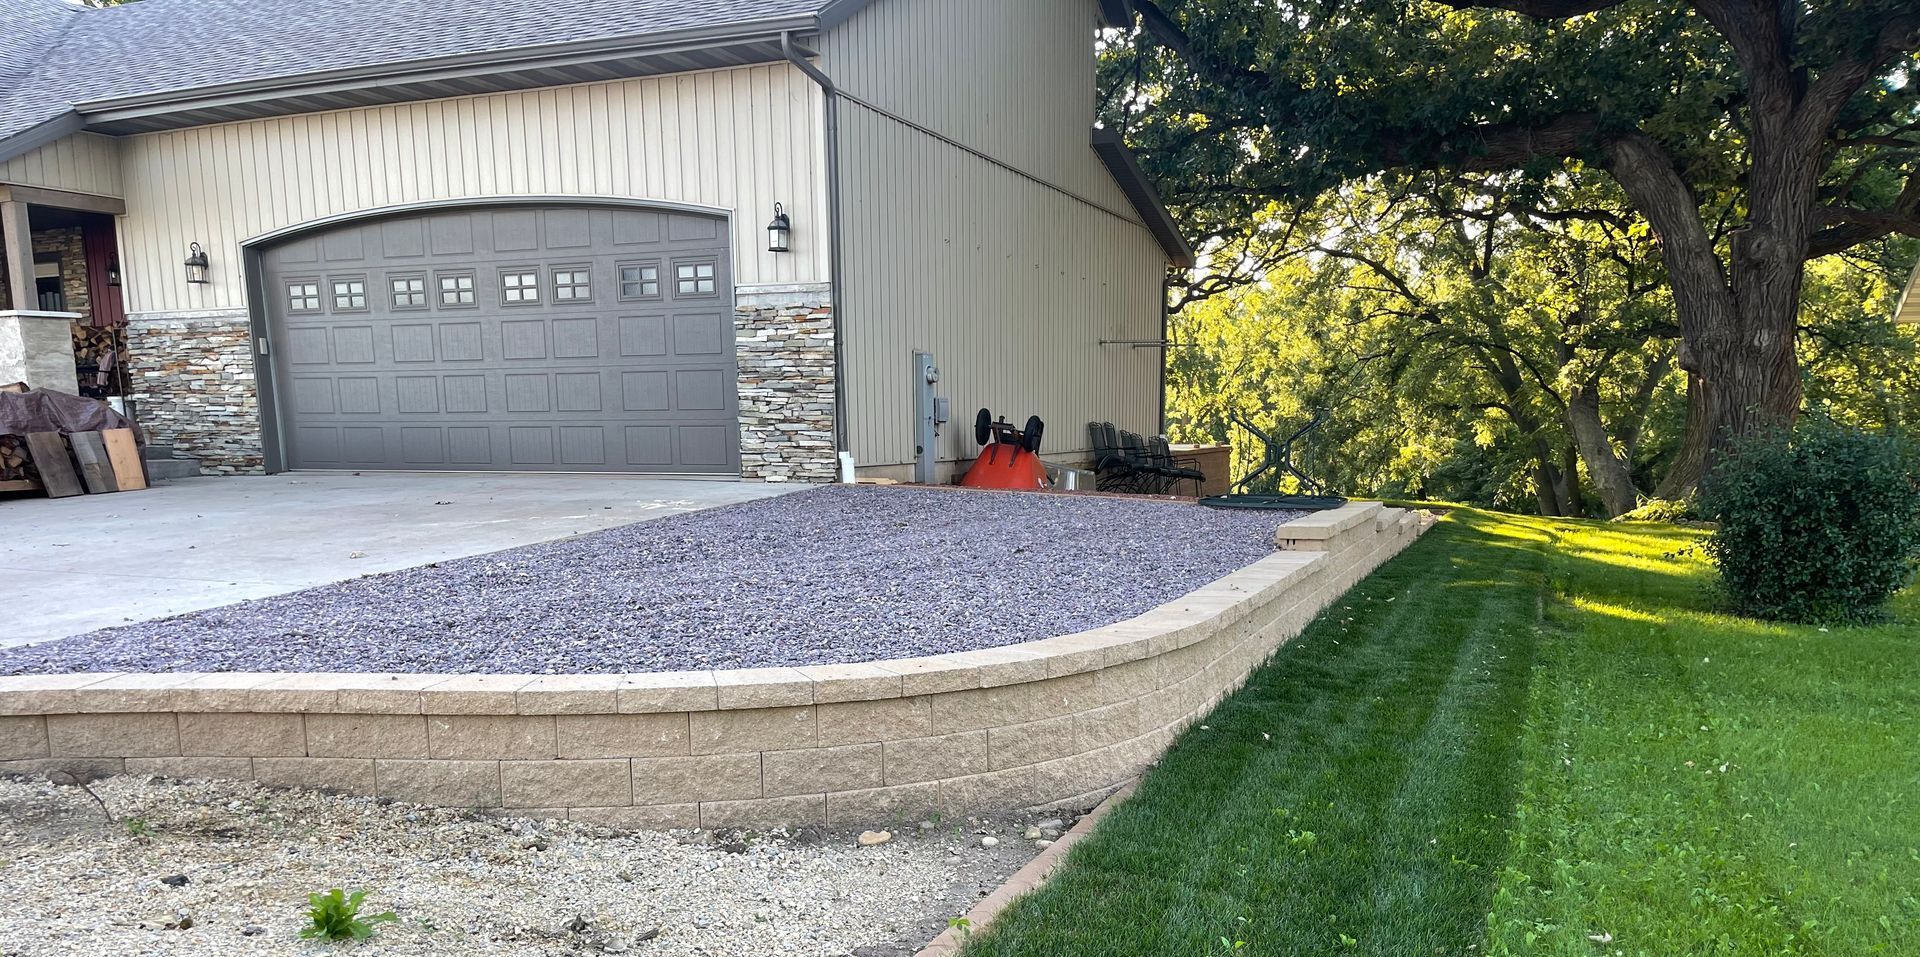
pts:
[1350, 799]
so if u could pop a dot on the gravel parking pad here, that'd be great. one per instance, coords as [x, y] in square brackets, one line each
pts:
[461, 885]
[832, 575]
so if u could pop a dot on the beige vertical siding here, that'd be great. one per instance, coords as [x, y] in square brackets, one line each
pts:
[738, 139]
[1011, 78]
[1010, 284]
[82, 163]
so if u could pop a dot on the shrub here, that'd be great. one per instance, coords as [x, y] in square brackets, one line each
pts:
[336, 916]
[1818, 523]
[1666, 510]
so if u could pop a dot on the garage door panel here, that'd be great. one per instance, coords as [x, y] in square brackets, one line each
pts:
[353, 345]
[357, 395]
[501, 339]
[403, 239]
[423, 445]
[417, 394]
[412, 342]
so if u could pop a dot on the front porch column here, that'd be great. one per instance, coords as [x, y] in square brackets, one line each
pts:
[17, 237]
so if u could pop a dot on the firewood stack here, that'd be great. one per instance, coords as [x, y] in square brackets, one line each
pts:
[13, 458]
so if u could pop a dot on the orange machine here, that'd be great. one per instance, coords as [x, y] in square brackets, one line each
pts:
[1009, 457]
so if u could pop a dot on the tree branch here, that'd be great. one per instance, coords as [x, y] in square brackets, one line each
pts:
[1838, 83]
[1848, 226]
[1539, 9]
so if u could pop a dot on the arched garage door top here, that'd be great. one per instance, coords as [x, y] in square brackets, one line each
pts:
[506, 337]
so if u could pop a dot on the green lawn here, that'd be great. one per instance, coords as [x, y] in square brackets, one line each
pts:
[1523, 736]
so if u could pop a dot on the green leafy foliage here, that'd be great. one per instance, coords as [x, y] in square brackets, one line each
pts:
[1817, 523]
[335, 915]
[1670, 511]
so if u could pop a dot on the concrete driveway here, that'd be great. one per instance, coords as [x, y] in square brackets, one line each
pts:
[72, 565]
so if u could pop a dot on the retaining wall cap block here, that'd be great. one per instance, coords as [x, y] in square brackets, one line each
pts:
[855, 682]
[46, 694]
[763, 688]
[475, 694]
[570, 694]
[1320, 526]
[934, 674]
[668, 691]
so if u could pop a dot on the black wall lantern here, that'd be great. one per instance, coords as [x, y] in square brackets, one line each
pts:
[113, 274]
[196, 263]
[779, 232]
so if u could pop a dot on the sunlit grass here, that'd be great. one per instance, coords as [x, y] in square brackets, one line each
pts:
[1551, 741]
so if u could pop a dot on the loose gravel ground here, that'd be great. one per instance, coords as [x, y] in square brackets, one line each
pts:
[833, 575]
[461, 885]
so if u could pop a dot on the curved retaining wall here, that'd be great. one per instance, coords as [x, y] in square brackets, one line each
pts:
[1019, 726]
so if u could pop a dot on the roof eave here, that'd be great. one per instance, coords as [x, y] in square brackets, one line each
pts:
[439, 68]
[1117, 13]
[1133, 181]
[40, 134]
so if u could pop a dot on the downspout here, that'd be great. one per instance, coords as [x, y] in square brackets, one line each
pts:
[835, 269]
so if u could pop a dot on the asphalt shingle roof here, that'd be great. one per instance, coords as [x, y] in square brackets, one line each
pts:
[54, 54]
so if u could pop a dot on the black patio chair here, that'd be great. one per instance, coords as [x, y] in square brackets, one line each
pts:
[1151, 479]
[1173, 469]
[1114, 470]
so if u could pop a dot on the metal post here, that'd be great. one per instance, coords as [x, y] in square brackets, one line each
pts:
[924, 378]
[17, 236]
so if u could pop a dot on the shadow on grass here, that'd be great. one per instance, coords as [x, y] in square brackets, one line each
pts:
[1351, 798]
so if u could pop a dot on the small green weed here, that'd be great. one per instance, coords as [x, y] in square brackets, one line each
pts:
[138, 827]
[335, 915]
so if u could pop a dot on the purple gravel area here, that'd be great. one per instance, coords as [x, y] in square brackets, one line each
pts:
[832, 575]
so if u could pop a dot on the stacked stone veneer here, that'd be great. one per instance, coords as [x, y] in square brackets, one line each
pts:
[1025, 725]
[193, 386]
[785, 352]
[67, 244]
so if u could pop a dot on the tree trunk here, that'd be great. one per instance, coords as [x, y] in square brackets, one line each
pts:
[1737, 323]
[1546, 483]
[1606, 469]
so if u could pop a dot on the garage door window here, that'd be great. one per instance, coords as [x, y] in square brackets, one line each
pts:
[572, 284]
[693, 279]
[409, 292]
[303, 296]
[349, 295]
[456, 289]
[519, 287]
[640, 281]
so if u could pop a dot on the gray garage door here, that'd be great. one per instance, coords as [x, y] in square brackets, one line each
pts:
[546, 339]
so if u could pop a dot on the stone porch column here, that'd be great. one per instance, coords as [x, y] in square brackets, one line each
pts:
[37, 348]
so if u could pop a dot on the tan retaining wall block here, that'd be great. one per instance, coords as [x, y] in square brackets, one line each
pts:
[603, 783]
[622, 735]
[816, 770]
[344, 775]
[1031, 743]
[23, 737]
[718, 777]
[858, 722]
[366, 736]
[238, 734]
[759, 729]
[231, 769]
[445, 783]
[491, 737]
[929, 759]
[113, 735]
[806, 809]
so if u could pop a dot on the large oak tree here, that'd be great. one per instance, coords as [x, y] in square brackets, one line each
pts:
[1752, 135]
